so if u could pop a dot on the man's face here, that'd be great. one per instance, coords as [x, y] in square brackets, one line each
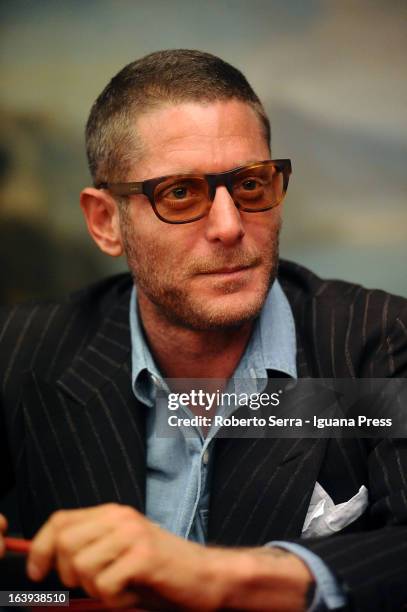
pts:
[215, 272]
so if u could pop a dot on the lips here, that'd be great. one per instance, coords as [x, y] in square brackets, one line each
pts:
[229, 270]
[233, 266]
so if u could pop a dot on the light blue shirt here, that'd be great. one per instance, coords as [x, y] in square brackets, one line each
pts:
[179, 467]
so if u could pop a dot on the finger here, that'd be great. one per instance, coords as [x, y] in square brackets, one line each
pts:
[3, 529]
[91, 586]
[3, 523]
[92, 559]
[43, 546]
[112, 582]
[84, 548]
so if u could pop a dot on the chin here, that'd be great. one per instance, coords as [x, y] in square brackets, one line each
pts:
[219, 306]
[229, 312]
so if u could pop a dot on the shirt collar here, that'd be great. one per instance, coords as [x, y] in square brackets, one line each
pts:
[144, 370]
[272, 345]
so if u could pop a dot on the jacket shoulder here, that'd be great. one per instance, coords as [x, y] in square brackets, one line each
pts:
[300, 283]
[47, 335]
[345, 328]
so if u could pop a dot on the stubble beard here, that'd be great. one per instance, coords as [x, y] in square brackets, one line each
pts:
[170, 297]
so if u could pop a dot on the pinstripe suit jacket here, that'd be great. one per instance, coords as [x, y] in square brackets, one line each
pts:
[73, 434]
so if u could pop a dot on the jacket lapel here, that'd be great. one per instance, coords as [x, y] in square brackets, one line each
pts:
[261, 488]
[101, 360]
[88, 427]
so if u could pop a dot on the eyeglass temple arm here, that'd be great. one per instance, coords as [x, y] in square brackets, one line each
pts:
[122, 189]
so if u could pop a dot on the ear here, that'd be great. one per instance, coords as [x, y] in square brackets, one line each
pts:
[102, 218]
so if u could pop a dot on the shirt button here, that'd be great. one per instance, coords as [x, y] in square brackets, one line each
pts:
[155, 380]
[205, 457]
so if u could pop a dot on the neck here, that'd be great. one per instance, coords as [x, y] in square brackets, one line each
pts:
[185, 353]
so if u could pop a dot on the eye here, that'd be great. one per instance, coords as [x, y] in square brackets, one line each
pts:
[181, 193]
[250, 184]
[178, 193]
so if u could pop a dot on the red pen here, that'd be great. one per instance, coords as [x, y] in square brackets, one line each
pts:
[17, 545]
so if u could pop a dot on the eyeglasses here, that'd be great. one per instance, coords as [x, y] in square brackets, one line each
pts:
[183, 198]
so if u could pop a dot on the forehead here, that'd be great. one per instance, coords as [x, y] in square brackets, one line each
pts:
[199, 137]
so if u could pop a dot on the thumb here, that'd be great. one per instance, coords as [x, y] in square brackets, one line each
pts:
[3, 523]
[3, 529]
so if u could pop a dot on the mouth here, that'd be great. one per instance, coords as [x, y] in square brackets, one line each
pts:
[229, 270]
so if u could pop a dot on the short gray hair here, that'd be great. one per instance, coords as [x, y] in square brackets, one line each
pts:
[163, 77]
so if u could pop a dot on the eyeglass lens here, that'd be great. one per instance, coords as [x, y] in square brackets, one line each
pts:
[253, 189]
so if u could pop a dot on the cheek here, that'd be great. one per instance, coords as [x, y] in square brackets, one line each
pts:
[262, 228]
[162, 247]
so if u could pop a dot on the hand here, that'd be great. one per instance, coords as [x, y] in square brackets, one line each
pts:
[119, 556]
[3, 529]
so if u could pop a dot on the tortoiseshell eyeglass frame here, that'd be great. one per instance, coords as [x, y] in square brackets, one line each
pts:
[149, 186]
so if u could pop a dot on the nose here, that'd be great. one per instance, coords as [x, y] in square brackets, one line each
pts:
[224, 222]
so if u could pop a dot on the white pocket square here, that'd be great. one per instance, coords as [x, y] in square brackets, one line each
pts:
[325, 518]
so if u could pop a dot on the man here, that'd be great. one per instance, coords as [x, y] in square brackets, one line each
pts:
[178, 147]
